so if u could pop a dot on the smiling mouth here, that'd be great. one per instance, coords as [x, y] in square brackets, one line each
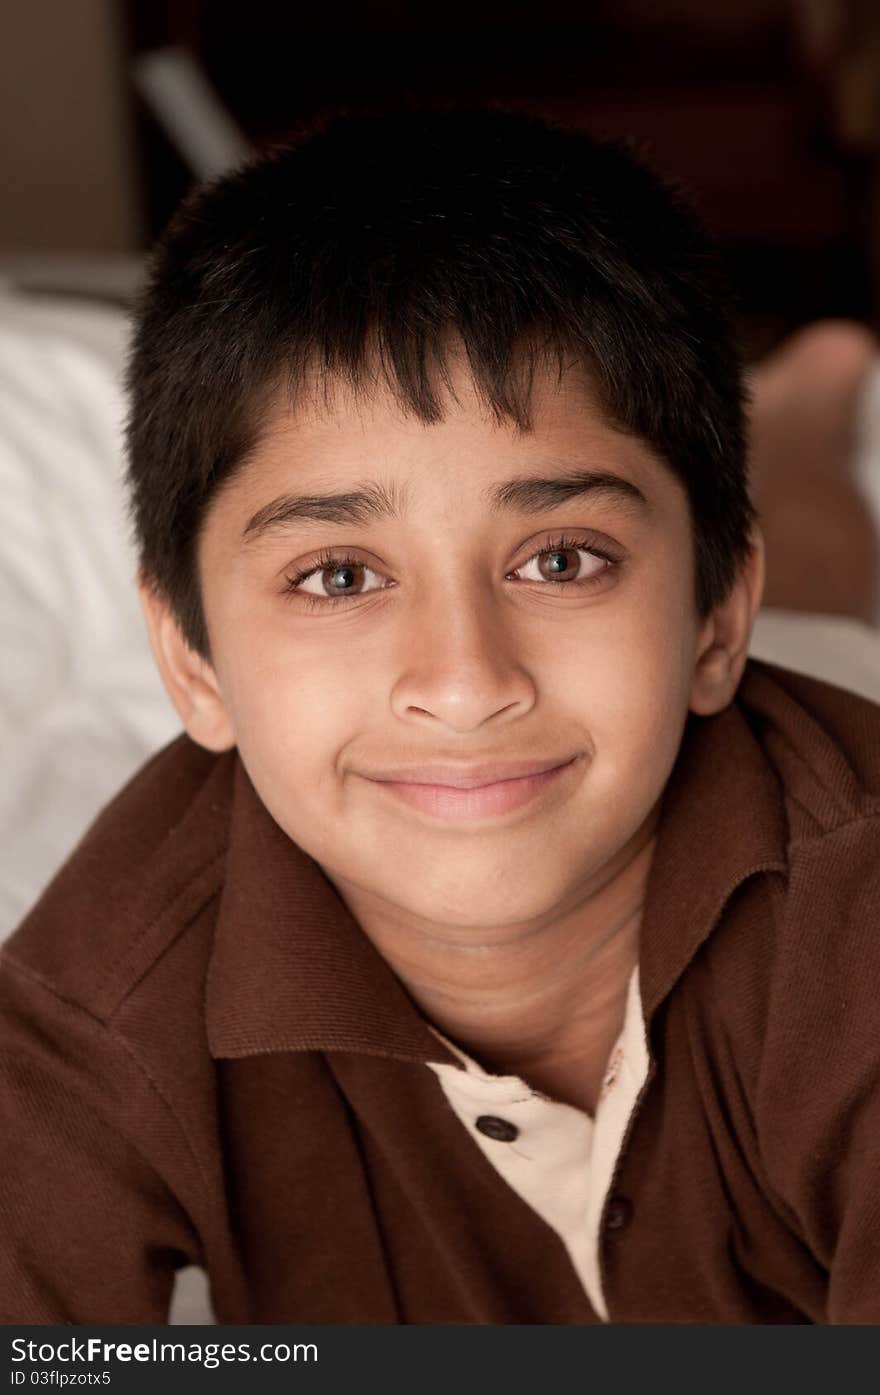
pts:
[477, 800]
[466, 777]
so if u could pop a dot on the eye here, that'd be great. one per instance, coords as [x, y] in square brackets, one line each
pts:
[566, 560]
[332, 577]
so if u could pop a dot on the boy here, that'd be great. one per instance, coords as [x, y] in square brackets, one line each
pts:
[496, 946]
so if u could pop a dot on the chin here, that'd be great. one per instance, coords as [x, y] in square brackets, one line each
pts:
[479, 908]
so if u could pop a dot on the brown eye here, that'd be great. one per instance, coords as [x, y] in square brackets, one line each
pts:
[577, 563]
[344, 580]
[560, 565]
[334, 579]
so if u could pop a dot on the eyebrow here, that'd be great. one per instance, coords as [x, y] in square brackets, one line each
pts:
[375, 502]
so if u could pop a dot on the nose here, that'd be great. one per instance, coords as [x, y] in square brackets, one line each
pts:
[461, 664]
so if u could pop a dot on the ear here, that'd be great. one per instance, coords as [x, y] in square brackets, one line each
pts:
[189, 679]
[723, 644]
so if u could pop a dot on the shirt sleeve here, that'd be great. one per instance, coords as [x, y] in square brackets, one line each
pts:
[818, 1106]
[92, 1231]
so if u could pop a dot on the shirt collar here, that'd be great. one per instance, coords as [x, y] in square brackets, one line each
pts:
[291, 970]
[722, 820]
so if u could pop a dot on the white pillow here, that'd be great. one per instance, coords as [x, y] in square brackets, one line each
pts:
[81, 702]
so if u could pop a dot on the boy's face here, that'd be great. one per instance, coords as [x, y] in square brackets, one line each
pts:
[439, 636]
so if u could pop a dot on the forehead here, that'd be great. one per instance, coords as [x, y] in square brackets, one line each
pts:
[337, 454]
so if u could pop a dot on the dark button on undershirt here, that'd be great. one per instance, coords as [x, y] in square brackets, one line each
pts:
[619, 1213]
[500, 1129]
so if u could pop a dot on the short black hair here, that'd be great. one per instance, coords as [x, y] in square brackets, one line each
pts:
[380, 238]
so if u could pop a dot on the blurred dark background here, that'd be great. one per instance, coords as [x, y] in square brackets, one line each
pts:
[769, 110]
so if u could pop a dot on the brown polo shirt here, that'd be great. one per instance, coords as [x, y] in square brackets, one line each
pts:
[203, 1060]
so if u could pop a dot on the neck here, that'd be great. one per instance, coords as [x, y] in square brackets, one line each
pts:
[545, 1001]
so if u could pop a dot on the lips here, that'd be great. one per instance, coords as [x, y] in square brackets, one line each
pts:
[478, 793]
[466, 777]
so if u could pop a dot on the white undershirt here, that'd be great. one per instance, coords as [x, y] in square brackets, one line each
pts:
[562, 1161]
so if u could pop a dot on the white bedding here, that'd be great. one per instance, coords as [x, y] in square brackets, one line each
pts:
[81, 704]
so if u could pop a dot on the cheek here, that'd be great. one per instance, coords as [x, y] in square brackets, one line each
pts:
[634, 684]
[295, 709]
[280, 685]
